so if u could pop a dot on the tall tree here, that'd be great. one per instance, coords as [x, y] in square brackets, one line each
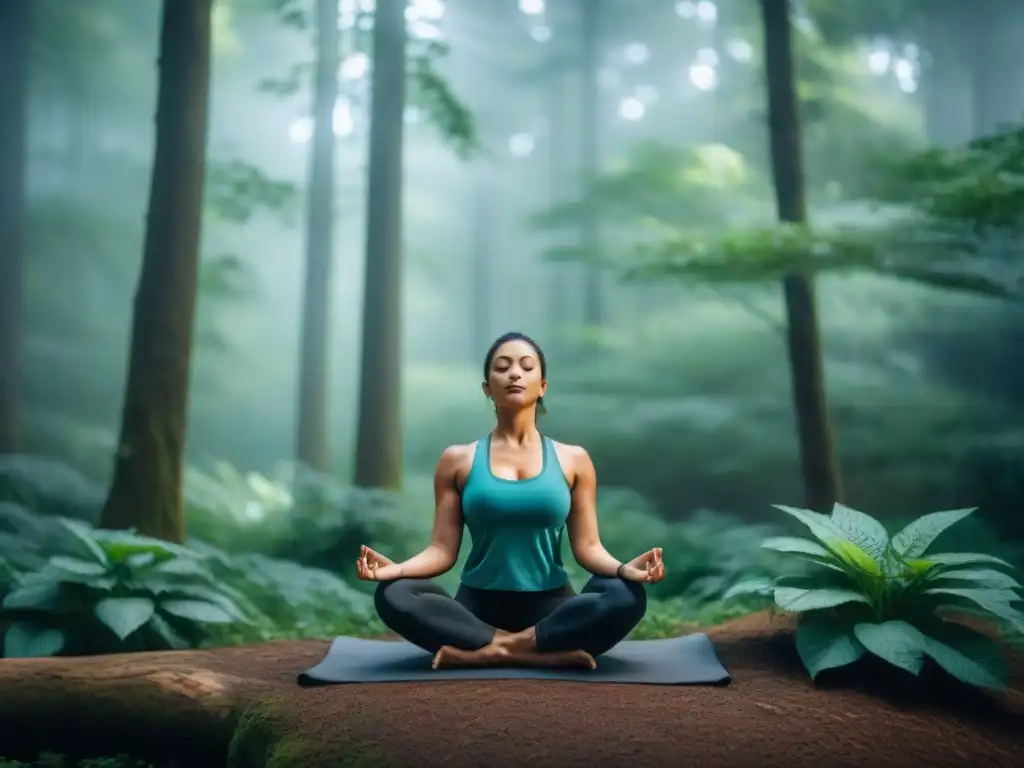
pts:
[146, 488]
[482, 192]
[379, 445]
[556, 84]
[15, 34]
[312, 440]
[817, 454]
[590, 64]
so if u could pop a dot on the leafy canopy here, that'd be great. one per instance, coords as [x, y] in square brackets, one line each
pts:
[428, 90]
[869, 593]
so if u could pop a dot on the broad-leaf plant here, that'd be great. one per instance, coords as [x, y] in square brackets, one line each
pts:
[866, 592]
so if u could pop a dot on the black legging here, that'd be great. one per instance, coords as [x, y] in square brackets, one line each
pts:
[596, 620]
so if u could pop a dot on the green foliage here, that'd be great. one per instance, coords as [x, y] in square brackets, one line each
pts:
[53, 760]
[678, 616]
[99, 591]
[49, 487]
[705, 553]
[981, 185]
[840, 24]
[887, 596]
[300, 515]
[659, 184]
[428, 90]
[236, 190]
[909, 251]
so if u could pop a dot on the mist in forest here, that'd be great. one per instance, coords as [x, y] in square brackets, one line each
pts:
[607, 177]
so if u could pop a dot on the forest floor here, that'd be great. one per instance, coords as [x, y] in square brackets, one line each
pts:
[244, 703]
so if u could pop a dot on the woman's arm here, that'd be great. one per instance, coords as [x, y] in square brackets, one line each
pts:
[440, 555]
[583, 534]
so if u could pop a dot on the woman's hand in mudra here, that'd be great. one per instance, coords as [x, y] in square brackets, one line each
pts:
[373, 566]
[648, 568]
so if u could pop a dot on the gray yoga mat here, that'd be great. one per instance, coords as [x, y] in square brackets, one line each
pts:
[689, 660]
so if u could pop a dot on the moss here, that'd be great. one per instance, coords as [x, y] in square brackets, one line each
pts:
[255, 736]
[261, 741]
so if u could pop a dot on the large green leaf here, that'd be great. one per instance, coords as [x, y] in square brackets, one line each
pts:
[124, 615]
[183, 566]
[896, 642]
[982, 577]
[820, 526]
[762, 587]
[203, 593]
[967, 655]
[26, 640]
[122, 545]
[958, 559]
[75, 570]
[852, 555]
[914, 540]
[86, 539]
[863, 530]
[795, 545]
[171, 636]
[43, 596]
[197, 610]
[798, 600]
[996, 602]
[826, 642]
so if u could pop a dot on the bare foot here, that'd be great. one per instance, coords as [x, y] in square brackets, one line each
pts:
[498, 656]
[517, 642]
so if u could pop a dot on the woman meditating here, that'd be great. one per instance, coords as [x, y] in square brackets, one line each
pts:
[517, 492]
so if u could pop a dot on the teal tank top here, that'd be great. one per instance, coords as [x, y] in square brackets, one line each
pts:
[516, 526]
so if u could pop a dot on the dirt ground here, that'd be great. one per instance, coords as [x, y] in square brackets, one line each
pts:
[244, 703]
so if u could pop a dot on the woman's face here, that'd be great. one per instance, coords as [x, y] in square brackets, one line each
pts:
[514, 379]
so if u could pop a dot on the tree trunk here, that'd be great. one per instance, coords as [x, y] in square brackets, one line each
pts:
[820, 471]
[15, 36]
[593, 309]
[481, 292]
[379, 437]
[146, 489]
[996, 66]
[947, 87]
[556, 273]
[312, 440]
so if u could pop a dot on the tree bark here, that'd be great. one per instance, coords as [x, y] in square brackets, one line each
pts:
[15, 36]
[146, 489]
[481, 293]
[312, 444]
[995, 65]
[593, 304]
[379, 435]
[556, 273]
[822, 484]
[947, 88]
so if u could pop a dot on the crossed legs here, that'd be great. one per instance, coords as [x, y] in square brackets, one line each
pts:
[570, 630]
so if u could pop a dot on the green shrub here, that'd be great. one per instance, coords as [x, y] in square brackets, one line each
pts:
[49, 487]
[53, 760]
[675, 617]
[54, 580]
[303, 516]
[294, 601]
[106, 591]
[887, 596]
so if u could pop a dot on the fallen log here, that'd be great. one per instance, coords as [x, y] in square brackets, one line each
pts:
[241, 708]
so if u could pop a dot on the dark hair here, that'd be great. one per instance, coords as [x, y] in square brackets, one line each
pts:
[516, 336]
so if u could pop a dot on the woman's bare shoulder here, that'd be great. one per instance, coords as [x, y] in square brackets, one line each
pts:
[575, 456]
[456, 457]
